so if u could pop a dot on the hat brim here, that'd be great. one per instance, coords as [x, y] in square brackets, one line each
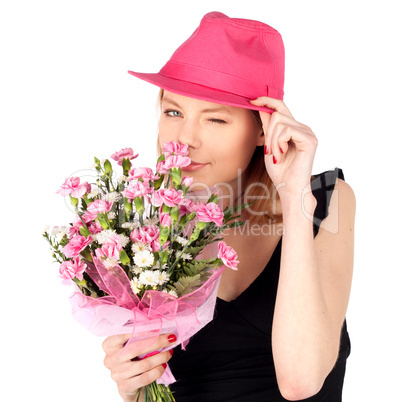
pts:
[198, 91]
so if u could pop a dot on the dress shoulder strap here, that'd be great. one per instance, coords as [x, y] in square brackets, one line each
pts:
[322, 187]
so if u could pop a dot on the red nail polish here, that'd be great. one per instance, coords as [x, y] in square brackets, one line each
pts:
[281, 150]
[274, 159]
[265, 150]
[172, 338]
[171, 352]
[164, 365]
[150, 354]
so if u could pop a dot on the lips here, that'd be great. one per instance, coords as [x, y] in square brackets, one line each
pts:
[194, 165]
[197, 163]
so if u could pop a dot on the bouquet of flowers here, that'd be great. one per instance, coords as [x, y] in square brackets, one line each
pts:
[134, 251]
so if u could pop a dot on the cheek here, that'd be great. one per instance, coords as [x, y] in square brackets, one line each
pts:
[165, 135]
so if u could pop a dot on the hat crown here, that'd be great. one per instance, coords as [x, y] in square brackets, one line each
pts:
[240, 56]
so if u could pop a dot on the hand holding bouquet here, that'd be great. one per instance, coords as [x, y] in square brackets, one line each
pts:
[134, 251]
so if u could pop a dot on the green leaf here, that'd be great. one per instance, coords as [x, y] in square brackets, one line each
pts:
[187, 284]
[74, 201]
[84, 231]
[126, 164]
[107, 166]
[124, 259]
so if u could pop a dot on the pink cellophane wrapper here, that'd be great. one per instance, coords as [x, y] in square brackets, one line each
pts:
[156, 313]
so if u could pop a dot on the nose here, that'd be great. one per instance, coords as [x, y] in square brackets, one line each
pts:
[189, 133]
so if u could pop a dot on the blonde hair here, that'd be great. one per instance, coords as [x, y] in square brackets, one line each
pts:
[262, 189]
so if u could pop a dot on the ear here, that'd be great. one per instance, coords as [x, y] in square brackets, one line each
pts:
[265, 119]
[261, 139]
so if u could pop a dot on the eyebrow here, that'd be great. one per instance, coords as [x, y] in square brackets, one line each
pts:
[215, 109]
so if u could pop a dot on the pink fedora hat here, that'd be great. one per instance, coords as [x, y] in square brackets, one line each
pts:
[227, 61]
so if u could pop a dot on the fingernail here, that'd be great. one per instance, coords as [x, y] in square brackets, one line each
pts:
[274, 159]
[172, 338]
[164, 365]
[281, 150]
[265, 150]
[150, 354]
[171, 352]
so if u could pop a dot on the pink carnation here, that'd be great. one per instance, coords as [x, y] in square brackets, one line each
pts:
[187, 181]
[125, 153]
[167, 196]
[173, 147]
[156, 246]
[147, 235]
[95, 208]
[210, 213]
[227, 255]
[160, 168]
[137, 189]
[166, 219]
[109, 251]
[76, 245]
[72, 269]
[174, 161]
[142, 172]
[72, 186]
[115, 241]
[75, 229]
[95, 227]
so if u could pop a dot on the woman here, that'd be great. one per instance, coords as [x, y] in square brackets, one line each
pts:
[279, 330]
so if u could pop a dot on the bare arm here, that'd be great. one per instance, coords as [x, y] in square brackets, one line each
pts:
[313, 291]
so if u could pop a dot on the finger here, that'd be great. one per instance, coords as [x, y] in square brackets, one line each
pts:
[135, 368]
[276, 121]
[272, 103]
[301, 138]
[131, 385]
[281, 137]
[115, 342]
[143, 346]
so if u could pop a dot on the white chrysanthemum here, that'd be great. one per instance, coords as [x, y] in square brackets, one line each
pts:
[170, 292]
[151, 221]
[93, 165]
[110, 262]
[113, 196]
[122, 179]
[184, 256]
[139, 246]
[136, 270]
[46, 229]
[144, 258]
[131, 225]
[135, 285]
[181, 240]
[157, 266]
[124, 240]
[111, 215]
[147, 278]
[94, 193]
[63, 231]
[55, 230]
[161, 277]
[103, 236]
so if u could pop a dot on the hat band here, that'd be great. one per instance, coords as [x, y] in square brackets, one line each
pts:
[218, 80]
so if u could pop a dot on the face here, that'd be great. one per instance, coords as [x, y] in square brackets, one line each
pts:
[222, 138]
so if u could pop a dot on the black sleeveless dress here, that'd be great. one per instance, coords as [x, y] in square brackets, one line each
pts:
[230, 359]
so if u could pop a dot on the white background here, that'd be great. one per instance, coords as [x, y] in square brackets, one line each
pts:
[65, 96]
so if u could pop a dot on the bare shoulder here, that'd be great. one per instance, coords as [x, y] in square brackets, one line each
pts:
[341, 212]
[335, 249]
